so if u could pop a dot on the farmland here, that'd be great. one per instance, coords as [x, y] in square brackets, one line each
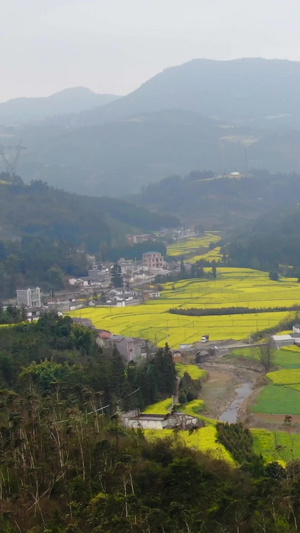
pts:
[203, 439]
[193, 370]
[282, 395]
[212, 255]
[288, 357]
[233, 287]
[187, 247]
[276, 445]
[274, 399]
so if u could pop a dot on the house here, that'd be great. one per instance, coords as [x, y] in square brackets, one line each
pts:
[29, 297]
[177, 357]
[33, 313]
[296, 328]
[282, 340]
[154, 295]
[104, 333]
[153, 260]
[126, 346]
[136, 239]
[83, 322]
[135, 419]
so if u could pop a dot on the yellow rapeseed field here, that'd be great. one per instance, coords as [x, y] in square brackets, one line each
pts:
[193, 370]
[187, 246]
[212, 255]
[160, 408]
[203, 439]
[233, 287]
[285, 376]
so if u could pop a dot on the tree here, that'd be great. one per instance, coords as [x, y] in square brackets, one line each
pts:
[265, 352]
[273, 275]
[116, 275]
[214, 271]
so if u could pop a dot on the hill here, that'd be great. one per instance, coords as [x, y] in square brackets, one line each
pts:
[221, 202]
[90, 223]
[269, 242]
[72, 100]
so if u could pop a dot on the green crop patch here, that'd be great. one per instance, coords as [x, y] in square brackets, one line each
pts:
[278, 400]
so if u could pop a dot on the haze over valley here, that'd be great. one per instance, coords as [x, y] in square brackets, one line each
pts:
[220, 115]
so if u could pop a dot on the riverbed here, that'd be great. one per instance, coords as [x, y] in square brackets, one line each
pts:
[226, 390]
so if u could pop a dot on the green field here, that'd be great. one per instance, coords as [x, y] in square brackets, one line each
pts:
[276, 445]
[280, 400]
[288, 357]
[193, 245]
[233, 287]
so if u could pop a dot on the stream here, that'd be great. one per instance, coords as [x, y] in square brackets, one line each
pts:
[242, 392]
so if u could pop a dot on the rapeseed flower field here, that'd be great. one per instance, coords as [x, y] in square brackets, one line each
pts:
[188, 246]
[233, 287]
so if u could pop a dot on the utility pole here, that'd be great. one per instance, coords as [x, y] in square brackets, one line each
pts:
[10, 163]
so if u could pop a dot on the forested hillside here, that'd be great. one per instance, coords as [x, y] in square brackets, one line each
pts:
[221, 202]
[69, 466]
[270, 241]
[45, 233]
[83, 221]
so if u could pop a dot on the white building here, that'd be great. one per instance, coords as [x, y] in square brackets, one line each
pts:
[153, 260]
[29, 297]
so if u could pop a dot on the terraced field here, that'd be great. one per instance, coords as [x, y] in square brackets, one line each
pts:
[233, 287]
[212, 255]
[185, 247]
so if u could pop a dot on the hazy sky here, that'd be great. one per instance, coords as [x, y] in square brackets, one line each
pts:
[112, 46]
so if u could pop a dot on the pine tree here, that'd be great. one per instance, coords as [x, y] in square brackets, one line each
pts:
[116, 275]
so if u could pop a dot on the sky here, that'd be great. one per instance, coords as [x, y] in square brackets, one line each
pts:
[113, 46]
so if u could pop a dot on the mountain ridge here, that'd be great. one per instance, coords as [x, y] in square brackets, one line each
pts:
[69, 100]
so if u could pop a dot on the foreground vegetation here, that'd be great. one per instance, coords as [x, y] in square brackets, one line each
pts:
[69, 466]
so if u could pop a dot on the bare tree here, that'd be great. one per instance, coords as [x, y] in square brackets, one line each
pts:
[266, 352]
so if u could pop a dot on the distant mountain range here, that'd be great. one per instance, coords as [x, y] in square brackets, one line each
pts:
[222, 115]
[73, 100]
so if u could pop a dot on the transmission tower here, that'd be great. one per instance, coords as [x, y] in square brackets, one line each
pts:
[10, 157]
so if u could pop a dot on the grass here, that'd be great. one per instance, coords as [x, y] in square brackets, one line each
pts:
[193, 370]
[278, 400]
[203, 439]
[233, 287]
[188, 246]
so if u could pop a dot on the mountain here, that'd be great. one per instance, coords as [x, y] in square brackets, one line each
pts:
[119, 157]
[222, 115]
[73, 100]
[241, 90]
